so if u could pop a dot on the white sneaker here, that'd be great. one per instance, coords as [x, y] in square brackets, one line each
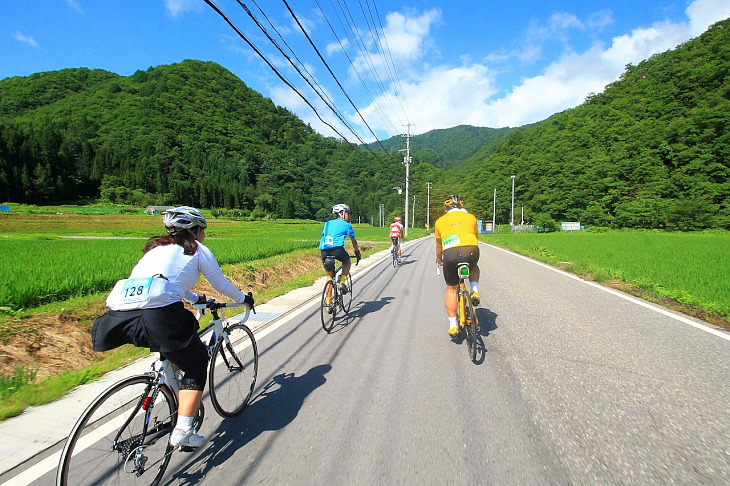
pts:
[186, 438]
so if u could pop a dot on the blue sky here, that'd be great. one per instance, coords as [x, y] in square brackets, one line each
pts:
[475, 62]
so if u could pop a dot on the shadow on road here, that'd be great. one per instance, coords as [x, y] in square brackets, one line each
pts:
[276, 405]
[487, 321]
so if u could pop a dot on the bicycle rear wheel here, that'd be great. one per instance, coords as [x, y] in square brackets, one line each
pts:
[346, 299]
[109, 444]
[328, 318]
[233, 369]
[471, 328]
[394, 253]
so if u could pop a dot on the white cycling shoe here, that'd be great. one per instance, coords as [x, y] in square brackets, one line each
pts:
[186, 439]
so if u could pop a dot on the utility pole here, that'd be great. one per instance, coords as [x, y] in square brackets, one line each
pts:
[407, 162]
[494, 212]
[413, 213]
[428, 205]
[512, 214]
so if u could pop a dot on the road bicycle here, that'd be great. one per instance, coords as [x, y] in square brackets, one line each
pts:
[466, 316]
[334, 297]
[394, 254]
[123, 435]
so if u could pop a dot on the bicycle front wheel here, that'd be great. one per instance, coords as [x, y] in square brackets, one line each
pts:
[114, 443]
[328, 312]
[346, 299]
[234, 366]
[471, 329]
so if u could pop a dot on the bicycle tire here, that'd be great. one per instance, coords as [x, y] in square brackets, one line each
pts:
[471, 329]
[394, 252]
[346, 299]
[233, 368]
[104, 445]
[328, 320]
[460, 310]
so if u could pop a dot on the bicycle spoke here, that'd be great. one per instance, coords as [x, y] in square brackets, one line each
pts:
[117, 441]
[233, 370]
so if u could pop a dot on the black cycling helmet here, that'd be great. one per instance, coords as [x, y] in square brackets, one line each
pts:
[453, 201]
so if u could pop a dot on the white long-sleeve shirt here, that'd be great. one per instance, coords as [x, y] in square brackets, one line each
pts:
[184, 271]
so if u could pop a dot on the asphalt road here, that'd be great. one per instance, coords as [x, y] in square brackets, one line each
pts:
[573, 385]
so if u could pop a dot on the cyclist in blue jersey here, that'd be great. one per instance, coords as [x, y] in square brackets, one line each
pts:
[332, 244]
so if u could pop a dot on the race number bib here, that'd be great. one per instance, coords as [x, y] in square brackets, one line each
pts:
[135, 290]
[451, 241]
[329, 241]
[141, 292]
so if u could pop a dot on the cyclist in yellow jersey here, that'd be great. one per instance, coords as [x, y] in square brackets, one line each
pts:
[456, 242]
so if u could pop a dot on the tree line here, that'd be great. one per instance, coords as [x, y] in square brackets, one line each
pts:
[651, 151]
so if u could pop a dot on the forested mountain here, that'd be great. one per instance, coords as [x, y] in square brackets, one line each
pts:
[444, 148]
[651, 151]
[190, 133]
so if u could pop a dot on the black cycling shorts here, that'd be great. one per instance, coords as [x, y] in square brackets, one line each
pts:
[338, 253]
[460, 254]
[395, 240]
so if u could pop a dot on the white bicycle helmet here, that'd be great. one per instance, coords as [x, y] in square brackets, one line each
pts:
[183, 217]
[341, 208]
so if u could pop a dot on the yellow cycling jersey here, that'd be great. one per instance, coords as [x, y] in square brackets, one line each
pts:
[456, 228]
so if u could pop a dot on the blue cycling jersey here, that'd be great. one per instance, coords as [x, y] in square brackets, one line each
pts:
[334, 233]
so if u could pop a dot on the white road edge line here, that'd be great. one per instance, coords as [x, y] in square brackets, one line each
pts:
[702, 327]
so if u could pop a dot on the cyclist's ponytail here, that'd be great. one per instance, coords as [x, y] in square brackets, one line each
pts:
[183, 238]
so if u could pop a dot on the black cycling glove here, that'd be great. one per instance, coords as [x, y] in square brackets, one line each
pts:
[201, 299]
[358, 257]
[249, 300]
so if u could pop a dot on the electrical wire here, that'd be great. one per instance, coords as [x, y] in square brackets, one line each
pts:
[273, 68]
[332, 73]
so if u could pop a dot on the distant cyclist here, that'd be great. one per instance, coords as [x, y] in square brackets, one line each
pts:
[396, 234]
[456, 242]
[332, 245]
[171, 266]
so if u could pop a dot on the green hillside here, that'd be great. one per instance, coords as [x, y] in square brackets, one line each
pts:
[444, 148]
[651, 151]
[189, 133]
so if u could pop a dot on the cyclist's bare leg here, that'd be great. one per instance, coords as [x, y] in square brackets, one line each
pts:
[451, 300]
[474, 274]
[346, 268]
[189, 402]
[330, 274]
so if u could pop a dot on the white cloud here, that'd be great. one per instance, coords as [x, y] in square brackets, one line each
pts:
[180, 7]
[25, 39]
[74, 4]
[337, 46]
[445, 97]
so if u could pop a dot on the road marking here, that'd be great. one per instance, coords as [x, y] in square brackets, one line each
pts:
[702, 327]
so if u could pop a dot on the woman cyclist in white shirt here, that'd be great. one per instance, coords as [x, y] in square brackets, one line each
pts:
[161, 322]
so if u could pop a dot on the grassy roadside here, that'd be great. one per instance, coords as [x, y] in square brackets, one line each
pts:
[32, 385]
[686, 272]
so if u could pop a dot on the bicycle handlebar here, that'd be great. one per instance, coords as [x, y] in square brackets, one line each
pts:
[213, 306]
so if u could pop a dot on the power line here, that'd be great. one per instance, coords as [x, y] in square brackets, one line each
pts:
[356, 70]
[333, 74]
[316, 90]
[273, 68]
